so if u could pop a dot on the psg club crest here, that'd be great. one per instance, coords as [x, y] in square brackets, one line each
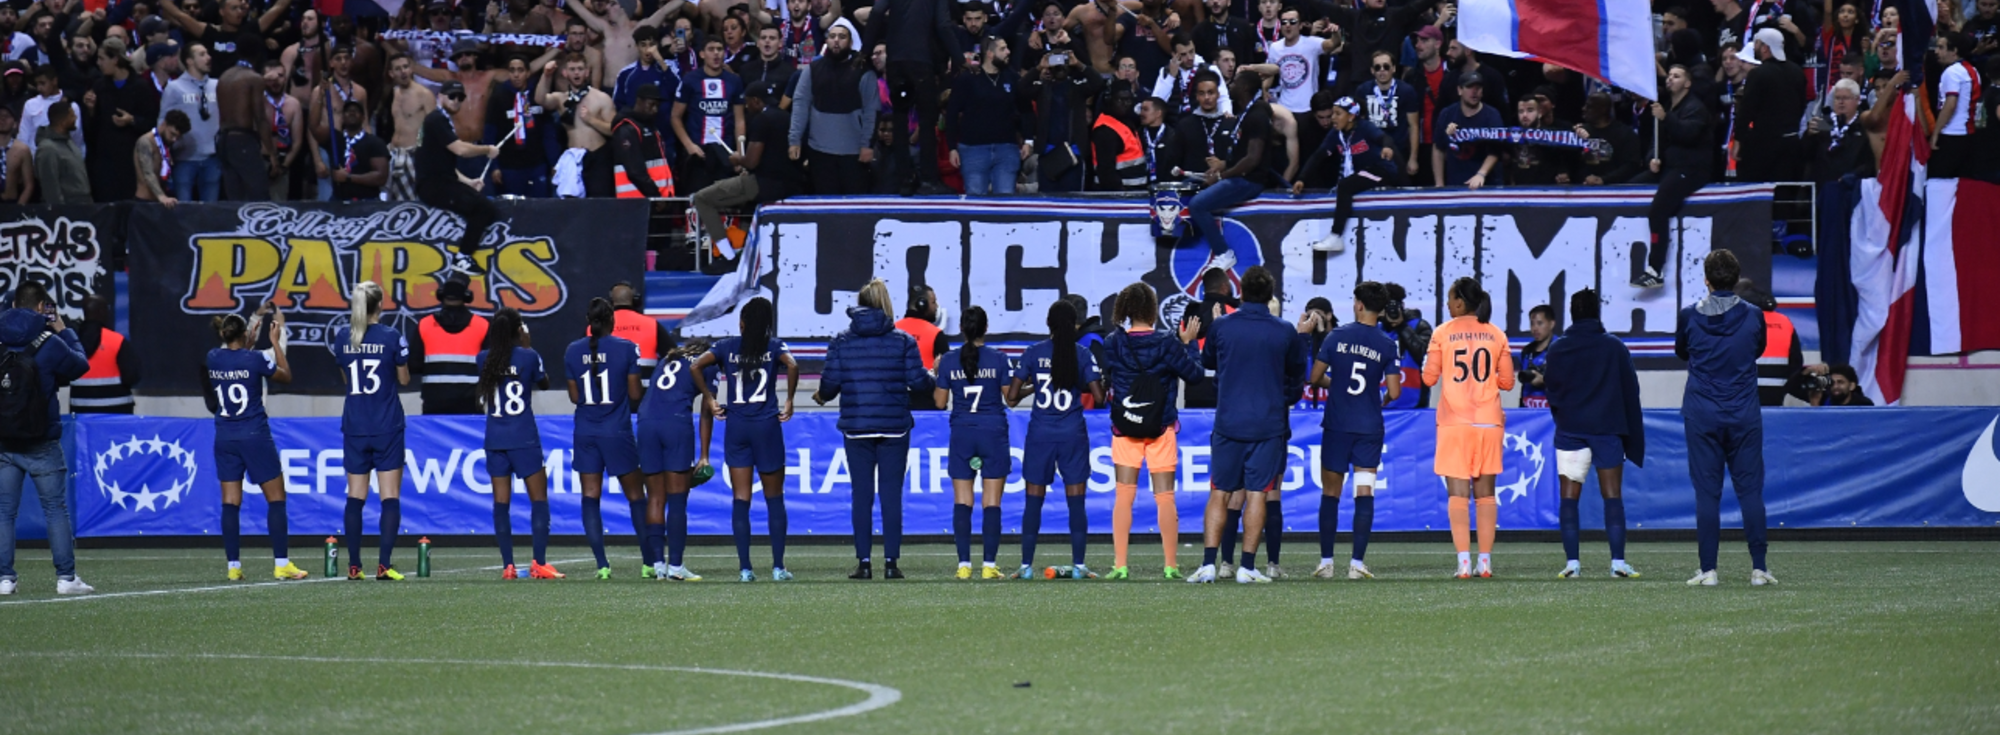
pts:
[1169, 213]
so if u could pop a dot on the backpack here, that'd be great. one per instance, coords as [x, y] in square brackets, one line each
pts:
[1141, 414]
[24, 408]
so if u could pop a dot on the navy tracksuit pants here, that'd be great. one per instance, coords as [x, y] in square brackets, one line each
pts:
[1714, 448]
[876, 465]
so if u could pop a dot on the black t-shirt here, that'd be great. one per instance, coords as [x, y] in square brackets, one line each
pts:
[364, 152]
[245, 47]
[776, 179]
[1255, 125]
[434, 159]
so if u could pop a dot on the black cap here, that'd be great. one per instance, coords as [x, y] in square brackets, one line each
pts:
[451, 89]
[1471, 80]
[464, 46]
[455, 289]
[766, 91]
[648, 92]
[151, 25]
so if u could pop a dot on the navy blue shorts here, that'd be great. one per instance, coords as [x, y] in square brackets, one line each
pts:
[1339, 451]
[256, 456]
[615, 455]
[361, 455]
[1607, 451]
[666, 446]
[758, 443]
[1041, 461]
[995, 459]
[521, 463]
[1239, 465]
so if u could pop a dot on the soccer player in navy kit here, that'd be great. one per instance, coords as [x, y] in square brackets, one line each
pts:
[1593, 394]
[243, 443]
[753, 437]
[1260, 367]
[509, 373]
[669, 451]
[371, 422]
[972, 380]
[1058, 373]
[1352, 362]
[604, 382]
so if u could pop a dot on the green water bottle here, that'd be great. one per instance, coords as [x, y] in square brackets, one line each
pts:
[424, 556]
[332, 557]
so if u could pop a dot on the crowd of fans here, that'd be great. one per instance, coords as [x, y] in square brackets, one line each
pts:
[269, 99]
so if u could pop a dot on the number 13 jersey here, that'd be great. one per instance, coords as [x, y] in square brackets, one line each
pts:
[369, 369]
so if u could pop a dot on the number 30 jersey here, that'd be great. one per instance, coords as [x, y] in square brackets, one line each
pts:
[603, 405]
[1472, 363]
[236, 380]
[510, 411]
[372, 407]
[749, 391]
[1357, 358]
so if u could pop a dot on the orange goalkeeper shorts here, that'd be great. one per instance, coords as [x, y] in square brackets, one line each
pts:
[1466, 452]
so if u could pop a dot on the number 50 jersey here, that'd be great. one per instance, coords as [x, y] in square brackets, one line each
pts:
[1472, 363]
[369, 369]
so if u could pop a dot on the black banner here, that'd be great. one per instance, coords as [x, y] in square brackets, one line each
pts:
[68, 249]
[545, 258]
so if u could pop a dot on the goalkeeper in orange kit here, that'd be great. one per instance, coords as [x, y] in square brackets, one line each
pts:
[1470, 358]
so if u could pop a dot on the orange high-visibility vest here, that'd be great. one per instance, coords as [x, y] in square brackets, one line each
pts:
[1131, 159]
[657, 170]
[926, 334]
[451, 358]
[641, 330]
[102, 389]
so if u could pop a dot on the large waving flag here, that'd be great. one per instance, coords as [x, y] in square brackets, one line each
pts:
[1609, 40]
[1886, 255]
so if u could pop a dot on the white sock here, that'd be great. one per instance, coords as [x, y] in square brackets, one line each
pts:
[1464, 558]
[236, 565]
[282, 561]
[1326, 560]
[1616, 562]
[989, 565]
[1486, 560]
[965, 565]
[1356, 563]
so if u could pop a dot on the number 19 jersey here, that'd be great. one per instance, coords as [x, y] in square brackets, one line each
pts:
[749, 391]
[510, 411]
[1357, 356]
[372, 408]
[236, 377]
[603, 406]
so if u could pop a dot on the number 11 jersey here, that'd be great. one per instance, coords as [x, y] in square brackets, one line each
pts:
[604, 405]
[369, 369]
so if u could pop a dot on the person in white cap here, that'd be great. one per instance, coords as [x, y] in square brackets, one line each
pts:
[1367, 159]
[1768, 114]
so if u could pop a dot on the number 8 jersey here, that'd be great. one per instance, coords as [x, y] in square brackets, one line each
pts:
[1472, 363]
[510, 411]
[749, 392]
[372, 407]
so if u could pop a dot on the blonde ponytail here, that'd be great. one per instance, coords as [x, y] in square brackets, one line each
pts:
[365, 305]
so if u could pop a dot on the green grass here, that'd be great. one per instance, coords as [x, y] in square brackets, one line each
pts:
[1860, 638]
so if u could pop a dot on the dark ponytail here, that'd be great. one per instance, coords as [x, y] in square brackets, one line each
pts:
[1477, 303]
[756, 343]
[601, 320]
[973, 326]
[503, 334]
[228, 328]
[1062, 335]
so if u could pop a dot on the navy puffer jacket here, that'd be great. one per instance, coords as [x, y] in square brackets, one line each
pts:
[876, 366]
[1128, 355]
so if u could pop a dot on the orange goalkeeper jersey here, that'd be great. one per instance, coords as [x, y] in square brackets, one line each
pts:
[1474, 364]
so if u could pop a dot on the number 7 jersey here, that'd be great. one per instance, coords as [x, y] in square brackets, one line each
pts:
[1471, 363]
[372, 407]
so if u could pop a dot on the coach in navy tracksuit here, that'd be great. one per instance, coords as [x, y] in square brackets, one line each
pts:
[877, 366]
[1593, 394]
[1259, 363]
[1720, 337]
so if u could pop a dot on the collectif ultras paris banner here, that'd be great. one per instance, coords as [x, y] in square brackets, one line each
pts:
[155, 477]
[547, 259]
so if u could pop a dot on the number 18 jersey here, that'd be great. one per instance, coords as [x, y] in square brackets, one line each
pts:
[372, 408]
[749, 391]
[510, 411]
[1356, 356]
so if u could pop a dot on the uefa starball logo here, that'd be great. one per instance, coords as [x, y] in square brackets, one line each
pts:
[161, 469]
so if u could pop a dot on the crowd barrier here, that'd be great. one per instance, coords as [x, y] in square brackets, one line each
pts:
[1826, 468]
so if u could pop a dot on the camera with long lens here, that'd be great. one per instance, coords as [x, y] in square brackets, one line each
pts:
[1394, 311]
[1821, 383]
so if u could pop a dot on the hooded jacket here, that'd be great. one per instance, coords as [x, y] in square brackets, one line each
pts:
[1157, 353]
[877, 366]
[1720, 337]
[1593, 388]
[59, 360]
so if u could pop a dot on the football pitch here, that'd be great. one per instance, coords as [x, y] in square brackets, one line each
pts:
[1860, 637]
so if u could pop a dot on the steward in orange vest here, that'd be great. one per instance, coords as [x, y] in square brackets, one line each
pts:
[107, 387]
[1116, 156]
[1783, 355]
[446, 353]
[640, 170]
[920, 321]
[629, 321]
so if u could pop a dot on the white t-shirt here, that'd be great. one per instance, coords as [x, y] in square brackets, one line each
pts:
[1298, 72]
[1956, 80]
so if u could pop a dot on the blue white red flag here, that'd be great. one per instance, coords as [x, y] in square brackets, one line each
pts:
[1608, 40]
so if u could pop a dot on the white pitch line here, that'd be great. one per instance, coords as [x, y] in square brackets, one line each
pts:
[879, 696]
[247, 586]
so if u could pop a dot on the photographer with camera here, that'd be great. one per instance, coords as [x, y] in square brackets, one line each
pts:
[1535, 355]
[1413, 340]
[1828, 385]
[40, 353]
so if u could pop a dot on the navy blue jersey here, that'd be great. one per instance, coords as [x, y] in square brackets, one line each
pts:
[749, 391]
[510, 411]
[1057, 412]
[603, 403]
[670, 394]
[975, 397]
[236, 377]
[1356, 357]
[373, 408]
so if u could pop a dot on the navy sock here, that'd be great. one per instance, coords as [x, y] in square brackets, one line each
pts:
[989, 534]
[1274, 526]
[232, 531]
[639, 530]
[1208, 556]
[538, 515]
[503, 531]
[739, 526]
[961, 531]
[281, 531]
[1329, 522]
[392, 521]
[1249, 560]
[656, 540]
[1229, 535]
[1364, 522]
[1079, 528]
[1614, 526]
[1566, 516]
[774, 512]
[1031, 527]
[677, 527]
[593, 528]
[352, 523]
